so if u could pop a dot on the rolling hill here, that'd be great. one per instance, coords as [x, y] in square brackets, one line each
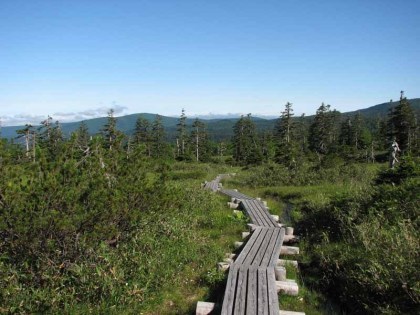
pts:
[218, 129]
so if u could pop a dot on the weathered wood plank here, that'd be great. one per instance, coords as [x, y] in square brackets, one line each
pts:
[273, 300]
[252, 291]
[262, 250]
[271, 221]
[251, 214]
[234, 194]
[241, 294]
[248, 246]
[277, 248]
[254, 215]
[230, 291]
[262, 292]
[271, 248]
[255, 250]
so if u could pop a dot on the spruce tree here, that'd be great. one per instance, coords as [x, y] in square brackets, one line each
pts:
[82, 136]
[109, 131]
[323, 130]
[402, 124]
[158, 137]
[246, 146]
[285, 142]
[142, 134]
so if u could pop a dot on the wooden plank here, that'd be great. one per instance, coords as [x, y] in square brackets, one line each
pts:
[255, 251]
[254, 208]
[273, 300]
[254, 215]
[262, 292]
[277, 248]
[241, 291]
[234, 194]
[252, 296]
[265, 261]
[265, 214]
[262, 250]
[230, 291]
[248, 246]
[249, 212]
[269, 219]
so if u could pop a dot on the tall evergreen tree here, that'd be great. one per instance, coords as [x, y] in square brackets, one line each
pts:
[109, 131]
[142, 134]
[285, 144]
[302, 134]
[402, 124]
[246, 147]
[323, 130]
[158, 137]
[82, 136]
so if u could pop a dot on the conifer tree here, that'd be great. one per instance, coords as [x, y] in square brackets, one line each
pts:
[267, 145]
[285, 144]
[302, 134]
[109, 131]
[402, 124]
[246, 147]
[142, 134]
[50, 137]
[158, 137]
[323, 130]
[82, 136]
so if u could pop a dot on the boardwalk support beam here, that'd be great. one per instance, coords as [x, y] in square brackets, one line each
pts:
[204, 308]
[289, 250]
[288, 287]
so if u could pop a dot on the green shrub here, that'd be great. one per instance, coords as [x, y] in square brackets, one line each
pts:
[364, 247]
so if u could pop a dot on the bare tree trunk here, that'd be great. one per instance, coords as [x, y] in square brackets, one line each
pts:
[196, 144]
[34, 145]
[27, 143]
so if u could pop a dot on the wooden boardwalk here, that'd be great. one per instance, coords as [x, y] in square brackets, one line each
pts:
[250, 290]
[258, 213]
[251, 286]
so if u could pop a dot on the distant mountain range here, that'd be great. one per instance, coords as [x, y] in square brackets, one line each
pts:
[218, 128]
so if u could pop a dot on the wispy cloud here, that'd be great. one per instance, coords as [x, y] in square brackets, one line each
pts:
[22, 119]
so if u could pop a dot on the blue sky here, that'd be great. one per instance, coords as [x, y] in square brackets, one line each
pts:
[76, 59]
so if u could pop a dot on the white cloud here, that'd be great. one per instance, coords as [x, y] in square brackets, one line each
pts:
[22, 119]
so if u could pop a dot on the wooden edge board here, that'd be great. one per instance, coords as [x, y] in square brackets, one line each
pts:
[229, 297]
[277, 248]
[273, 300]
[248, 246]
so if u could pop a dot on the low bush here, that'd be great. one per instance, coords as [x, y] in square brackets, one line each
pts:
[364, 248]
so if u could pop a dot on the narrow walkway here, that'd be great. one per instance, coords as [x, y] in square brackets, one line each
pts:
[251, 286]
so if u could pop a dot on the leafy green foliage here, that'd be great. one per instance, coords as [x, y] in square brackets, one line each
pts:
[95, 230]
[364, 246]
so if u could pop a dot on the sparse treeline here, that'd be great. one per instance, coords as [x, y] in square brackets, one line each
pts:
[328, 135]
[325, 136]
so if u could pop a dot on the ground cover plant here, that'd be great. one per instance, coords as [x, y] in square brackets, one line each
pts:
[107, 233]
